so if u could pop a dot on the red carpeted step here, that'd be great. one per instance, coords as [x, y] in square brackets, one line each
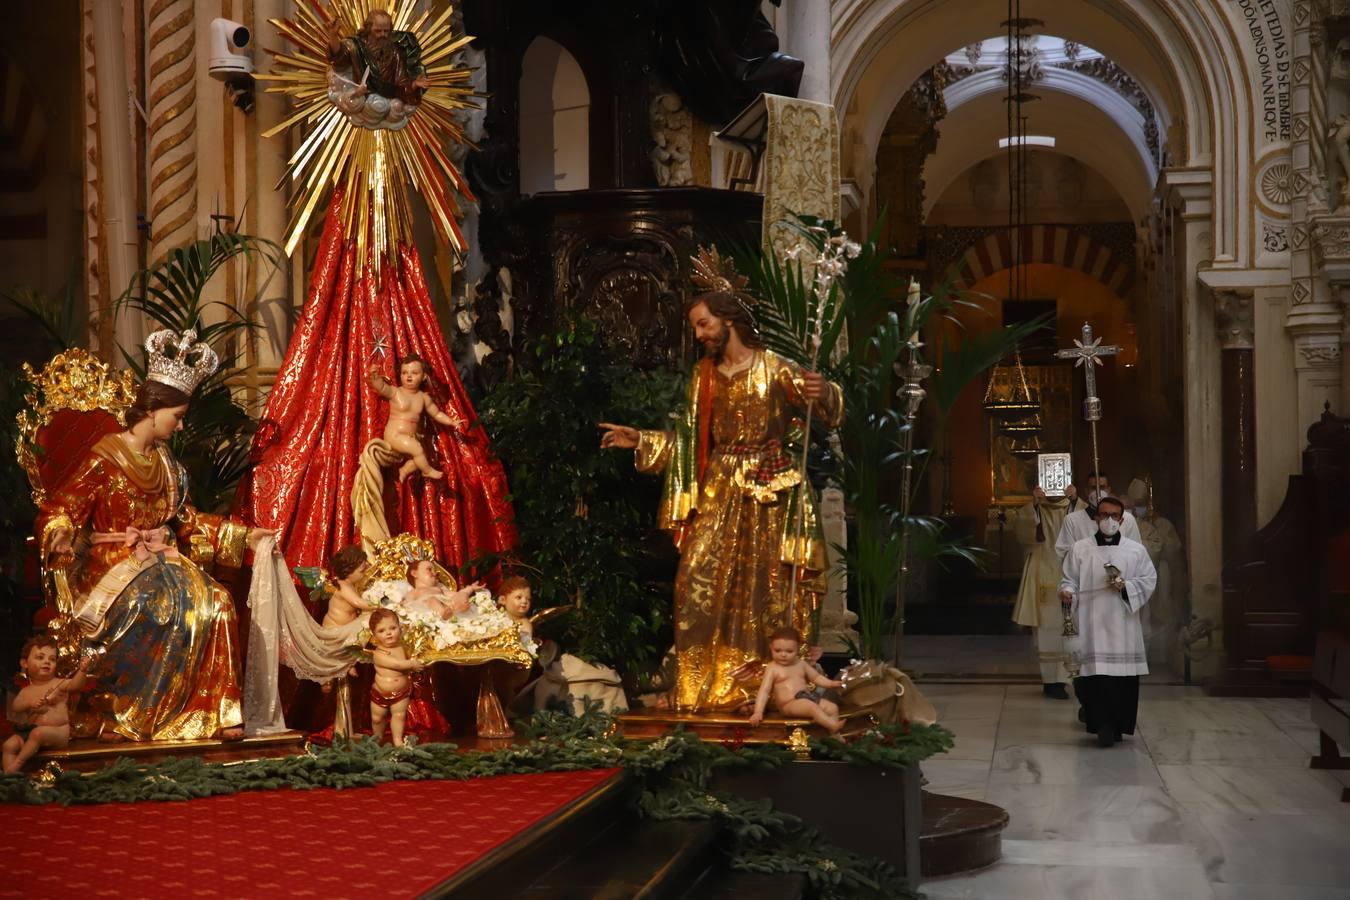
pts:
[399, 839]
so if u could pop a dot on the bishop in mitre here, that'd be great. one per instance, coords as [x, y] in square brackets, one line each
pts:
[1107, 581]
[1037, 526]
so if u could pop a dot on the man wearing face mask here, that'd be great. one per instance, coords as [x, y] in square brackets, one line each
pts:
[1081, 520]
[1108, 578]
[1160, 539]
[1037, 526]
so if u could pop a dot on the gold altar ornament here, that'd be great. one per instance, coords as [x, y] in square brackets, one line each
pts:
[377, 165]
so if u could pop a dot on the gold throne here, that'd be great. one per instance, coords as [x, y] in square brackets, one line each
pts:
[72, 402]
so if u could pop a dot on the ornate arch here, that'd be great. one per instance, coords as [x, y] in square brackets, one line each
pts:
[1074, 247]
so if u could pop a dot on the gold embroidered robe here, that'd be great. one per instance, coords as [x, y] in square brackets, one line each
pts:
[172, 660]
[735, 525]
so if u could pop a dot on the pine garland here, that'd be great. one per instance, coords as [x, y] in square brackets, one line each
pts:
[675, 771]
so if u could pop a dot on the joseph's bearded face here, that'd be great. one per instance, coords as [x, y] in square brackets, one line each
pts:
[709, 330]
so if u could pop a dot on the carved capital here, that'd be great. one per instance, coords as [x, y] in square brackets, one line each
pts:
[1331, 246]
[1234, 314]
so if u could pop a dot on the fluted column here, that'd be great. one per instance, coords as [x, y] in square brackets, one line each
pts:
[1236, 331]
[171, 149]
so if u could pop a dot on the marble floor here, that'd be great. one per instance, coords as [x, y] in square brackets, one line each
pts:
[1210, 798]
[997, 657]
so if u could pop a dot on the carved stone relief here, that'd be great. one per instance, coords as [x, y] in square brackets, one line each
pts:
[1235, 316]
[672, 128]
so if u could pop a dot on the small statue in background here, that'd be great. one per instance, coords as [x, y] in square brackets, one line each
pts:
[1339, 133]
[407, 402]
[392, 691]
[40, 710]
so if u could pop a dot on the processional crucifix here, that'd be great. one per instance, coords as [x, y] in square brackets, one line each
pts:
[1088, 353]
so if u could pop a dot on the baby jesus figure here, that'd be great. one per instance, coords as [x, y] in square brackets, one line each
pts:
[788, 679]
[430, 596]
[407, 402]
[43, 703]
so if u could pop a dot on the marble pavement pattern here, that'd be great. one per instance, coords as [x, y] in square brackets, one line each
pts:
[1210, 800]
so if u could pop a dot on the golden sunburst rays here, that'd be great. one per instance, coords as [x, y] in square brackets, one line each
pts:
[378, 167]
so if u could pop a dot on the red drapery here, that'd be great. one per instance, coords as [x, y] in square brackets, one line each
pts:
[321, 413]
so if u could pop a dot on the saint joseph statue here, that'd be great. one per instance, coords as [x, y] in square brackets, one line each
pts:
[731, 494]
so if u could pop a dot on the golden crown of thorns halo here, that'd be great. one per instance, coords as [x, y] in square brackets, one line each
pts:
[376, 166]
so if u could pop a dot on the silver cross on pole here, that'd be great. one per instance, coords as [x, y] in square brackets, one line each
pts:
[1088, 353]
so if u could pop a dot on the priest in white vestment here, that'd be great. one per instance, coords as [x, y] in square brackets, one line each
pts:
[1037, 527]
[1108, 578]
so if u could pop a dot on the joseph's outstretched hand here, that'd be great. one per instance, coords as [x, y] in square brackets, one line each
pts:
[618, 436]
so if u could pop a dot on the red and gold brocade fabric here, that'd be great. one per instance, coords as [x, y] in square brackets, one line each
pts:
[321, 413]
[172, 660]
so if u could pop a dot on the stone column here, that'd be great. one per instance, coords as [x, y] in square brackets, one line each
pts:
[116, 168]
[1236, 331]
[273, 307]
[808, 39]
[171, 146]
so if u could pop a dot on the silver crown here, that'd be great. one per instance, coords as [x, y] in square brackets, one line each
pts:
[189, 365]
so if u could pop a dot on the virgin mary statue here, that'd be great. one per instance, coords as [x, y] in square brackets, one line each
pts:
[130, 550]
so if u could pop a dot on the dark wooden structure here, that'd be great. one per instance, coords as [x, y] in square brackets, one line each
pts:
[619, 250]
[622, 258]
[1277, 594]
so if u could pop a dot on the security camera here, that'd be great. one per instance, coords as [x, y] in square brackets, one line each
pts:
[231, 59]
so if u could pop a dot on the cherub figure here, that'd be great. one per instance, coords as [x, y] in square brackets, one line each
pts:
[787, 680]
[42, 703]
[349, 567]
[407, 402]
[392, 689]
[429, 595]
[515, 598]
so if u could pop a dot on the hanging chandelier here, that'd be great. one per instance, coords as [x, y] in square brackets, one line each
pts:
[1008, 398]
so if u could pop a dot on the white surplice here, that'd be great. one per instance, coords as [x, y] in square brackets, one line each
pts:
[1078, 525]
[1110, 638]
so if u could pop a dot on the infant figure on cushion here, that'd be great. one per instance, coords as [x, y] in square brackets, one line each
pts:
[449, 617]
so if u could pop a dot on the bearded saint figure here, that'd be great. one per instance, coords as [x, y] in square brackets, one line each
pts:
[731, 495]
[382, 60]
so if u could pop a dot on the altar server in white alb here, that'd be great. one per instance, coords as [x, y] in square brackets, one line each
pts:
[1107, 580]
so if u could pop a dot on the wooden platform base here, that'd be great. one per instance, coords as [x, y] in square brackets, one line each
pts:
[653, 723]
[87, 753]
[959, 835]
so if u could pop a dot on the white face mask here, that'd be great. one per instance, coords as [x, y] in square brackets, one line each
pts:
[1108, 527]
[1095, 495]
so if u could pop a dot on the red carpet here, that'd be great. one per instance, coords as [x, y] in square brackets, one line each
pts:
[394, 840]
